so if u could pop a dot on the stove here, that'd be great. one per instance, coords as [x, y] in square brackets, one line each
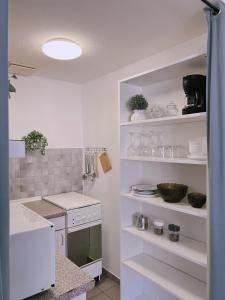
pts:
[69, 201]
[83, 230]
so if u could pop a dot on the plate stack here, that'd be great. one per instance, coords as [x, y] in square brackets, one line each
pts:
[144, 190]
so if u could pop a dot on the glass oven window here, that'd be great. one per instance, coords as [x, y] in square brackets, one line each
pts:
[85, 246]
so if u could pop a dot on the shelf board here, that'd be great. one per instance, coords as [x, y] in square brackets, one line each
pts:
[185, 161]
[177, 283]
[182, 207]
[142, 297]
[179, 68]
[189, 249]
[198, 117]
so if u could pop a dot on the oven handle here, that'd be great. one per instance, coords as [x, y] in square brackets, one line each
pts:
[83, 226]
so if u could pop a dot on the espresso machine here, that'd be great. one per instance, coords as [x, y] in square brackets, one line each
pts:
[195, 90]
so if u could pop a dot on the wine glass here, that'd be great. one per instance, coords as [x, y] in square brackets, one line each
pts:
[133, 148]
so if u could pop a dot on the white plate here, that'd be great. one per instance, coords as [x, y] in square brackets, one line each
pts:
[144, 187]
[144, 193]
[145, 196]
[198, 157]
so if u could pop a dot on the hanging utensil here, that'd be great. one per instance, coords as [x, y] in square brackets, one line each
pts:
[93, 166]
[96, 164]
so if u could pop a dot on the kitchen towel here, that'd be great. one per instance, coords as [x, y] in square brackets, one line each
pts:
[105, 162]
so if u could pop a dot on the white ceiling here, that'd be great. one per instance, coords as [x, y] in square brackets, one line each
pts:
[112, 33]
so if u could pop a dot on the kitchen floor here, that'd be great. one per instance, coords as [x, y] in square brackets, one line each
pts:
[105, 289]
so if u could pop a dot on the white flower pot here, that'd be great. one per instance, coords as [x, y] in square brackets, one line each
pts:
[139, 115]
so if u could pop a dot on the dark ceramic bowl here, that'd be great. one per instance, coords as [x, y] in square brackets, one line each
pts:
[172, 192]
[196, 200]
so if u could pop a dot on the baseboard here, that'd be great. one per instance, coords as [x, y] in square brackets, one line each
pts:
[110, 275]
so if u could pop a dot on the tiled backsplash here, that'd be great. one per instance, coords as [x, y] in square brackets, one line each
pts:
[58, 171]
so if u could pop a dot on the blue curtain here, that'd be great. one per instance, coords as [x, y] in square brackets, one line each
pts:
[4, 178]
[216, 150]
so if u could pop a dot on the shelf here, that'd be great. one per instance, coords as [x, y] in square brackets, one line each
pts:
[180, 68]
[177, 283]
[182, 119]
[186, 248]
[142, 297]
[185, 161]
[179, 207]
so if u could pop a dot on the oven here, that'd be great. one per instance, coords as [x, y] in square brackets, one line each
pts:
[84, 238]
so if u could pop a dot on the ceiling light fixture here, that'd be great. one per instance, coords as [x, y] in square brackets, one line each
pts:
[62, 49]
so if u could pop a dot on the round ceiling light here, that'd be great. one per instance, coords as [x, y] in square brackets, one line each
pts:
[62, 49]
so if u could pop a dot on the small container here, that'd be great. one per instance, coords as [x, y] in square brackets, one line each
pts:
[142, 223]
[149, 224]
[158, 226]
[174, 232]
[171, 109]
[135, 217]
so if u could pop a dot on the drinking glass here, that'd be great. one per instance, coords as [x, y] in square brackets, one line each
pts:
[171, 109]
[133, 148]
[146, 144]
[154, 147]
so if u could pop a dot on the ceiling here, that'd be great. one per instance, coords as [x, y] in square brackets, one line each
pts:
[112, 33]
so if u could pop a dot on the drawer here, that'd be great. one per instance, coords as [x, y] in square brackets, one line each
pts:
[59, 222]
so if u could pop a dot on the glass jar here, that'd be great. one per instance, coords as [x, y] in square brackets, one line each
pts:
[135, 217]
[158, 227]
[171, 109]
[142, 223]
[174, 232]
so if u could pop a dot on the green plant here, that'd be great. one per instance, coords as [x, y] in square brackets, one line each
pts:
[35, 141]
[137, 102]
[11, 88]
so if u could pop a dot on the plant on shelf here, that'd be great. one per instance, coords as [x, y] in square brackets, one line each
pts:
[138, 105]
[35, 141]
[11, 88]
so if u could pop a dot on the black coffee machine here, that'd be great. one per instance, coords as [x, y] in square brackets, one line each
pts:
[195, 90]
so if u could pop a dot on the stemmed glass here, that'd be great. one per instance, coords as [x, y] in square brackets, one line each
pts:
[145, 144]
[134, 146]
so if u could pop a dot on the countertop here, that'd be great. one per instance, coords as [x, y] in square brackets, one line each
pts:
[70, 282]
[45, 209]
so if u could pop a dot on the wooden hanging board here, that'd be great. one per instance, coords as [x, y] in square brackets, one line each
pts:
[105, 162]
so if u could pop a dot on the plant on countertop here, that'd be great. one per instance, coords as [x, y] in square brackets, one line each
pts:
[11, 88]
[137, 102]
[35, 141]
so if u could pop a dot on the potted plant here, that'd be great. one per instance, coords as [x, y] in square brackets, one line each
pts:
[138, 105]
[11, 88]
[35, 141]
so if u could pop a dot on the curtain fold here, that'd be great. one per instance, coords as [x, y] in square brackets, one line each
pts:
[216, 150]
[4, 154]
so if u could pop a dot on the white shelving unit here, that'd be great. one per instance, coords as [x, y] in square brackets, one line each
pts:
[181, 119]
[187, 248]
[153, 267]
[142, 297]
[183, 160]
[177, 283]
[182, 207]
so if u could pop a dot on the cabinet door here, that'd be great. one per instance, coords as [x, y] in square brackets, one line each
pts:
[60, 241]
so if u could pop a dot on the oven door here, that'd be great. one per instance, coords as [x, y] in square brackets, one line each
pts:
[84, 243]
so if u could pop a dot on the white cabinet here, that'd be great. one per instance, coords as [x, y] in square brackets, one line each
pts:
[60, 234]
[60, 241]
[31, 252]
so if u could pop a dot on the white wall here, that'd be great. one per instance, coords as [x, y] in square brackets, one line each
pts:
[101, 128]
[55, 108]
[52, 107]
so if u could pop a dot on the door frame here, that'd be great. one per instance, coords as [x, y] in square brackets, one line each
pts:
[4, 154]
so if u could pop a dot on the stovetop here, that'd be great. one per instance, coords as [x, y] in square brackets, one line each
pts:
[72, 200]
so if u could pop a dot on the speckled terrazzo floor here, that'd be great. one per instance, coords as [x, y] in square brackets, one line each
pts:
[105, 289]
